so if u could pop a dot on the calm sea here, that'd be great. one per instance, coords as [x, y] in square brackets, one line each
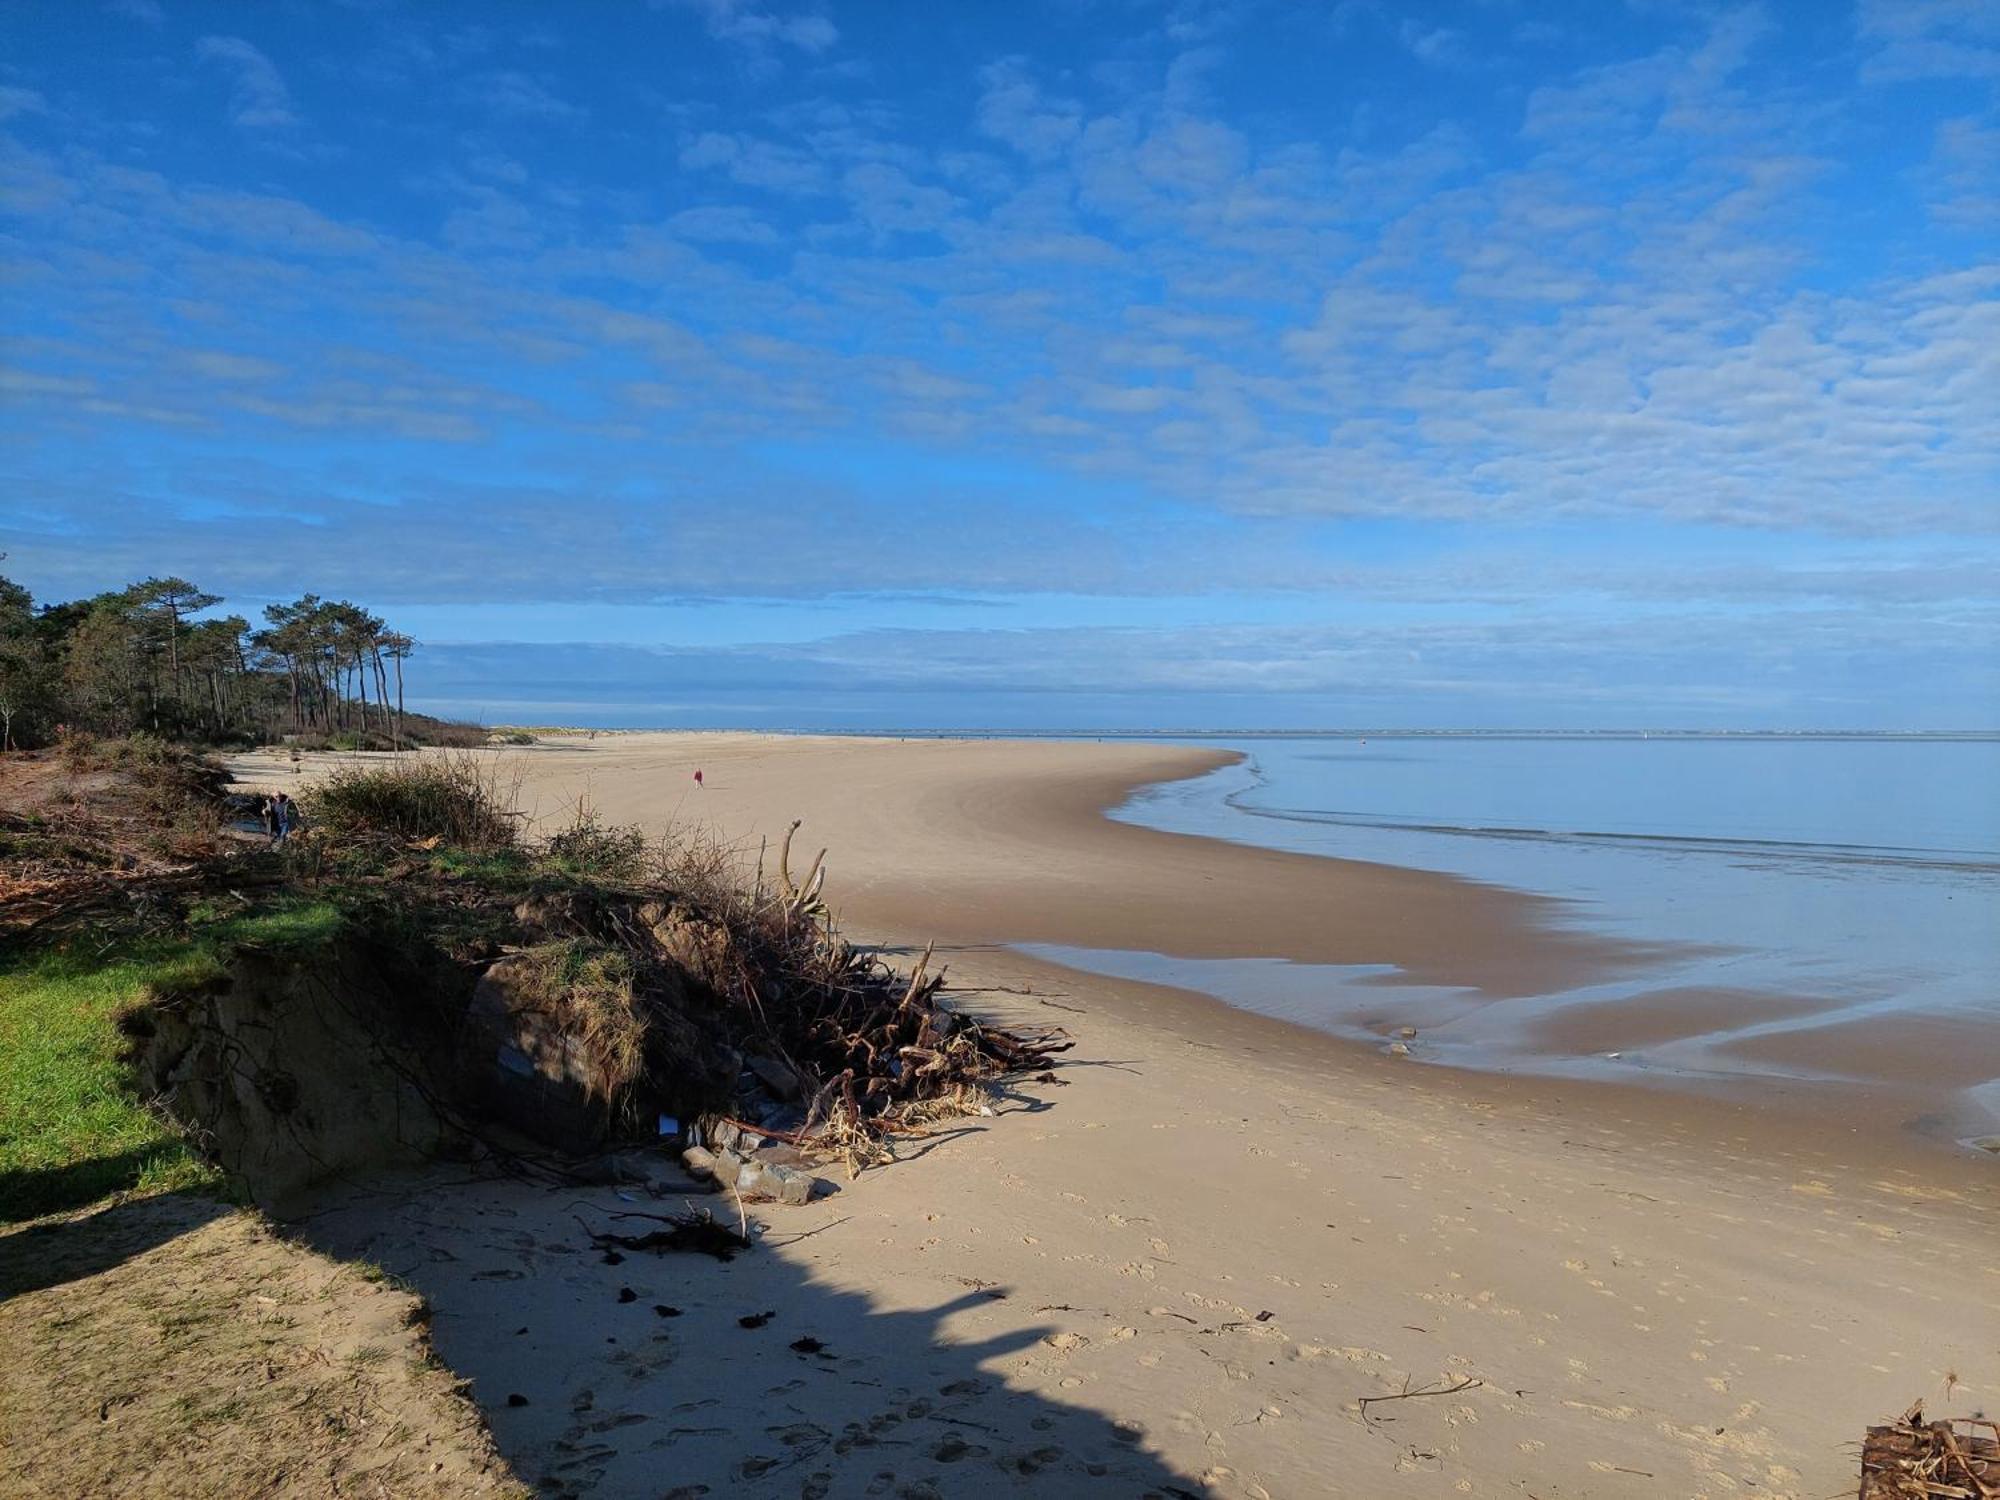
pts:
[1835, 903]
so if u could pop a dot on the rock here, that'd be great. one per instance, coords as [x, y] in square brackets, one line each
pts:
[722, 1136]
[701, 1163]
[774, 1075]
[657, 1174]
[728, 1166]
[1408, 1032]
[1989, 1143]
[756, 1179]
[1399, 1049]
[746, 1142]
[781, 1117]
[795, 1187]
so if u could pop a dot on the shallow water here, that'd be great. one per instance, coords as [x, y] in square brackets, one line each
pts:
[1831, 906]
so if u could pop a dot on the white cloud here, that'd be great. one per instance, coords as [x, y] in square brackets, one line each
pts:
[1012, 109]
[19, 101]
[260, 100]
[511, 93]
[749, 25]
[722, 224]
[1919, 39]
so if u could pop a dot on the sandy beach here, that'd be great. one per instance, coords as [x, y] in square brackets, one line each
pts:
[1185, 1266]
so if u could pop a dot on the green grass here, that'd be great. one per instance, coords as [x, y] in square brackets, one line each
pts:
[72, 1130]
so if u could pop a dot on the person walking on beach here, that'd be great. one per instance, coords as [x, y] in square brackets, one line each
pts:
[281, 817]
[697, 777]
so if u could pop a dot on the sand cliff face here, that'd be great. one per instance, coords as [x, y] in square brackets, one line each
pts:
[291, 1071]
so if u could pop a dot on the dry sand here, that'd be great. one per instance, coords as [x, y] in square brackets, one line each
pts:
[1181, 1270]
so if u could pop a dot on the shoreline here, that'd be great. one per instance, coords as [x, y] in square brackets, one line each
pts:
[1187, 1258]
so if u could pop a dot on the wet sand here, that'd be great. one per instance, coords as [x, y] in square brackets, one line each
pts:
[1184, 1265]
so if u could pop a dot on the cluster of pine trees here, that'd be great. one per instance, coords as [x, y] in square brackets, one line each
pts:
[150, 658]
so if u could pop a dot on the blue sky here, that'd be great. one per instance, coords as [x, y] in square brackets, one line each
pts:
[1061, 365]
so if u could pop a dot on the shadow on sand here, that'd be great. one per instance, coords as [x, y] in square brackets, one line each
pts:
[65, 1250]
[659, 1378]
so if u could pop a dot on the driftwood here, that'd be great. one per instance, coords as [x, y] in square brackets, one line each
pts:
[1917, 1460]
[862, 1052]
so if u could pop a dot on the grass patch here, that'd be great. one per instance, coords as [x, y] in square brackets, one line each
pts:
[72, 1130]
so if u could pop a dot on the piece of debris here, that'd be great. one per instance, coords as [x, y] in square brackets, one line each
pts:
[1912, 1459]
[626, 1294]
[665, 1311]
[517, 1399]
[695, 1232]
[755, 1320]
[808, 1345]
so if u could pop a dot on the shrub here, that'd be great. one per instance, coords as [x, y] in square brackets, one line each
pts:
[514, 737]
[588, 848]
[453, 800]
[77, 747]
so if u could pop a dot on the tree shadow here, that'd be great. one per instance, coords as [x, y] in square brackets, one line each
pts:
[51, 1254]
[631, 1374]
[30, 1192]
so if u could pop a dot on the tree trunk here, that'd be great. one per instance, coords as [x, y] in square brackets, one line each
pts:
[174, 646]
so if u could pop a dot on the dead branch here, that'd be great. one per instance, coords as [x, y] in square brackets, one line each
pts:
[1408, 1395]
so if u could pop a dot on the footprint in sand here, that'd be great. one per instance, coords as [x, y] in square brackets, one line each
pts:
[1033, 1463]
[954, 1448]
